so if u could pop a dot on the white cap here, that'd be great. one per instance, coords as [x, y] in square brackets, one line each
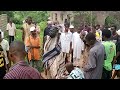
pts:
[32, 29]
[49, 18]
[109, 28]
[49, 22]
[71, 26]
[118, 32]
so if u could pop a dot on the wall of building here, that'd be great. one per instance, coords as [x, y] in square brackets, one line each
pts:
[61, 14]
[3, 22]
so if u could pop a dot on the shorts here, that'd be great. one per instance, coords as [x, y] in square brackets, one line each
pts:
[116, 66]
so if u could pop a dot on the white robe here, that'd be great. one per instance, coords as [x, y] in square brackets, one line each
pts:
[65, 40]
[77, 45]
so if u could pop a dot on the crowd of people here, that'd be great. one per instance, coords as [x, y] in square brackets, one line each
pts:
[68, 52]
[86, 52]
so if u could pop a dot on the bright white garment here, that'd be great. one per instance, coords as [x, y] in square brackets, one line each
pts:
[77, 45]
[65, 40]
[11, 29]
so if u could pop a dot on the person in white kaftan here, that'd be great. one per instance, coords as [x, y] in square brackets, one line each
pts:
[66, 43]
[77, 46]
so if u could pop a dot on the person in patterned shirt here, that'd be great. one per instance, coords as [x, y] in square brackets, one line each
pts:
[74, 72]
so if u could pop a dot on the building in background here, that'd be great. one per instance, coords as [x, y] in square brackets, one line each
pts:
[3, 22]
[60, 16]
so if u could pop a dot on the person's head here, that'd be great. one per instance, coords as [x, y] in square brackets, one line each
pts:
[71, 28]
[97, 26]
[90, 39]
[29, 20]
[106, 34]
[53, 31]
[93, 29]
[69, 67]
[26, 20]
[10, 20]
[17, 51]
[82, 35]
[113, 29]
[79, 30]
[118, 32]
[56, 23]
[66, 27]
[33, 31]
[49, 23]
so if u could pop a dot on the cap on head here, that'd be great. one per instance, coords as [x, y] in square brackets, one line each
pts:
[118, 32]
[71, 26]
[49, 22]
[32, 29]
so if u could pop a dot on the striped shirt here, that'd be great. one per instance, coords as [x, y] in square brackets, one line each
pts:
[22, 70]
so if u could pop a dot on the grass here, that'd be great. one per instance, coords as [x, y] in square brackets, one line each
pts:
[19, 36]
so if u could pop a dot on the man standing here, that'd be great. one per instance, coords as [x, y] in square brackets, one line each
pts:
[20, 69]
[33, 44]
[11, 28]
[66, 43]
[77, 46]
[37, 27]
[26, 28]
[94, 64]
[72, 30]
[110, 50]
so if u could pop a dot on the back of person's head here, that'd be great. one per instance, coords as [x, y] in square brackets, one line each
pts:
[90, 36]
[106, 33]
[10, 20]
[29, 17]
[53, 31]
[17, 48]
[97, 25]
[69, 67]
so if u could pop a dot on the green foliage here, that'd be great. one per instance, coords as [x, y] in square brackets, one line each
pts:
[18, 26]
[43, 25]
[110, 20]
[37, 16]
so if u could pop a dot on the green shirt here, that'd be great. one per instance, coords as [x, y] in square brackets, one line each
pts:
[110, 50]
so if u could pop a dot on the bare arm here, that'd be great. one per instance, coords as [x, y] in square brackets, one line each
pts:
[91, 63]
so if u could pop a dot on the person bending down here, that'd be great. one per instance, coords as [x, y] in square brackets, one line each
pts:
[74, 72]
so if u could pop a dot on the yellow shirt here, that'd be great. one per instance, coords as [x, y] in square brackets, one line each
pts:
[97, 35]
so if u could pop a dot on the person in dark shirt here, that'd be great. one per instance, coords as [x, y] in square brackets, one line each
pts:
[114, 34]
[116, 61]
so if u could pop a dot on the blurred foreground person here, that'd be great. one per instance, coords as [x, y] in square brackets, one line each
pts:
[20, 69]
